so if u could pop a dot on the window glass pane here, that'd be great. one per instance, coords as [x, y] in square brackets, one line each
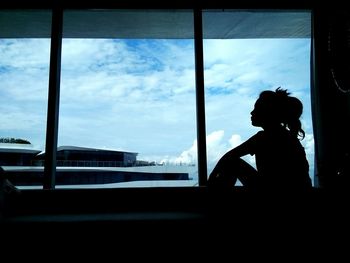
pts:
[257, 51]
[24, 71]
[127, 100]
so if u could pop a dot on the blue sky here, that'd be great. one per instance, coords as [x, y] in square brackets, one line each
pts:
[139, 95]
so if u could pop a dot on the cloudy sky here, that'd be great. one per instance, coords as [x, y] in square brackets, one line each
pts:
[139, 95]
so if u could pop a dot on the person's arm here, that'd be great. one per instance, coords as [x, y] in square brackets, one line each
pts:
[239, 151]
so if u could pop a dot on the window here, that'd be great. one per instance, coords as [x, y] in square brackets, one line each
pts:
[127, 112]
[254, 51]
[127, 89]
[24, 73]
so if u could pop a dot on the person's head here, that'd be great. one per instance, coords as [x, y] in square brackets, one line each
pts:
[277, 108]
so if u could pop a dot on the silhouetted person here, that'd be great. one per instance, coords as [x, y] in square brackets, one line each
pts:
[280, 158]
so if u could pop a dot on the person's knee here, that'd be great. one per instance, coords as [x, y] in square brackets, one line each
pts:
[222, 180]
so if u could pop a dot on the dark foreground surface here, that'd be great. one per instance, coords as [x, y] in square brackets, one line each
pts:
[151, 221]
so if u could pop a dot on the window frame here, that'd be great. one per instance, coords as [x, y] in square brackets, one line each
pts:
[54, 94]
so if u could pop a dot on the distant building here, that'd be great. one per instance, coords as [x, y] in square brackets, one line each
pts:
[73, 156]
[16, 154]
[82, 165]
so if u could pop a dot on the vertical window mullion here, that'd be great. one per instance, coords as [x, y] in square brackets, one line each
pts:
[200, 100]
[53, 99]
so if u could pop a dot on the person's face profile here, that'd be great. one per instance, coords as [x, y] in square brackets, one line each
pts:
[256, 114]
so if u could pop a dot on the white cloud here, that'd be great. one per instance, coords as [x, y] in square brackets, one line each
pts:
[308, 143]
[24, 54]
[140, 96]
[215, 145]
[235, 140]
[215, 149]
[269, 63]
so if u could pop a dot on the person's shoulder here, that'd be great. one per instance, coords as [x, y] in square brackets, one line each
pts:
[259, 134]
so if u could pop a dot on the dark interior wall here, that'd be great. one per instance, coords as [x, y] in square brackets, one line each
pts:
[175, 221]
[331, 96]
